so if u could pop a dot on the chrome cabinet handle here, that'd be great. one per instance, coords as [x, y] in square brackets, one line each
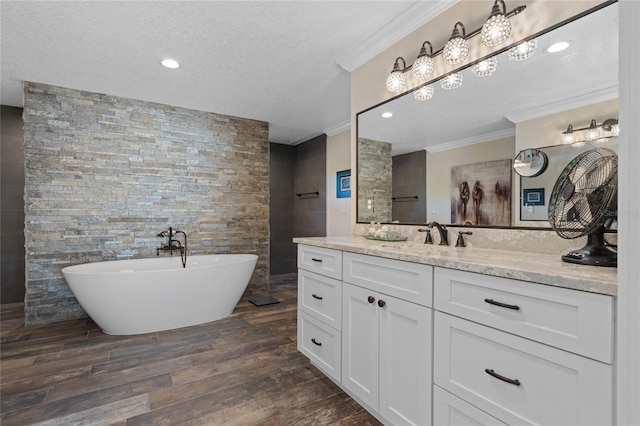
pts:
[315, 296]
[502, 305]
[492, 373]
[315, 342]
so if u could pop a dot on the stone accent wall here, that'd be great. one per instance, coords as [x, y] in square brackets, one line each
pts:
[374, 180]
[105, 174]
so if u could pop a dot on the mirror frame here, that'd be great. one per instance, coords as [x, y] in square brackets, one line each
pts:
[464, 67]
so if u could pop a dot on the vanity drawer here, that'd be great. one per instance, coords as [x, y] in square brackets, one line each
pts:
[412, 282]
[321, 344]
[449, 410]
[576, 321]
[320, 297]
[320, 260]
[553, 386]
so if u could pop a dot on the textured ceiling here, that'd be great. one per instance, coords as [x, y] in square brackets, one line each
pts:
[486, 108]
[273, 61]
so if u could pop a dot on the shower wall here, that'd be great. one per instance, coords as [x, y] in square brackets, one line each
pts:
[105, 174]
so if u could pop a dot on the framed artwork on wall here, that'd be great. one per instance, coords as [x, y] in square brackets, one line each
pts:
[343, 184]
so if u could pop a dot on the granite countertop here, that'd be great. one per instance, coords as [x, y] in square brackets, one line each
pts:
[531, 267]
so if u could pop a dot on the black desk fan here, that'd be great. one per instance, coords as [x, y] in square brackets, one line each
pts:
[584, 202]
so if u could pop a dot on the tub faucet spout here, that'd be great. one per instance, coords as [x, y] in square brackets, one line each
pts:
[442, 230]
[174, 244]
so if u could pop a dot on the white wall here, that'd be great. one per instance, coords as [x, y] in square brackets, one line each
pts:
[338, 209]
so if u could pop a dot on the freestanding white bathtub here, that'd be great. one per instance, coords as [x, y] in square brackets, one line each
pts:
[146, 295]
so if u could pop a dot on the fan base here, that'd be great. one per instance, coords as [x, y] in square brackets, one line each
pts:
[594, 256]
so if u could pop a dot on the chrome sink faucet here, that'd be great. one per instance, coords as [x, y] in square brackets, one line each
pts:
[174, 244]
[442, 230]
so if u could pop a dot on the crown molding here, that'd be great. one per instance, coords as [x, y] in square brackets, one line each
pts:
[563, 105]
[401, 26]
[500, 134]
[338, 128]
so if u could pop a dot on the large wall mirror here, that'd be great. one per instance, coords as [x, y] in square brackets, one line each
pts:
[450, 158]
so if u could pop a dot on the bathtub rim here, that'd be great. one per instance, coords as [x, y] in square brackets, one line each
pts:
[84, 268]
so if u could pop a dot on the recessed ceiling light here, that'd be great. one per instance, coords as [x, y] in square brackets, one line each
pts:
[558, 47]
[170, 63]
[386, 114]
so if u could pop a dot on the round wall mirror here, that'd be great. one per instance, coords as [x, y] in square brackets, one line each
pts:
[530, 162]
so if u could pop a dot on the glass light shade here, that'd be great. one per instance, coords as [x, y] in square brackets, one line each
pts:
[567, 136]
[496, 30]
[455, 51]
[423, 67]
[452, 81]
[396, 82]
[524, 50]
[615, 130]
[486, 67]
[592, 134]
[424, 93]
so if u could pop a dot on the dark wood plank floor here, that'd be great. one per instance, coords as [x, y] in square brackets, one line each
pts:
[242, 370]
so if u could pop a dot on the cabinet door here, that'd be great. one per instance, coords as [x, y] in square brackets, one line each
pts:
[360, 343]
[405, 361]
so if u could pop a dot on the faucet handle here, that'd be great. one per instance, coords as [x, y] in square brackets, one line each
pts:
[460, 241]
[427, 237]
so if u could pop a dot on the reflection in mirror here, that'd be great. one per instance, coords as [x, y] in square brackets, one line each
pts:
[530, 162]
[535, 191]
[522, 105]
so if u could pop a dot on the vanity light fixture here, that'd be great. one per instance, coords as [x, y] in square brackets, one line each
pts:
[497, 29]
[170, 63]
[592, 132]
[524, 50]
[424, 93]
[396, 81]
[611, 125]
[567, 136]
[423, 66]
[452, 81]
[457, 48]
[485, 68]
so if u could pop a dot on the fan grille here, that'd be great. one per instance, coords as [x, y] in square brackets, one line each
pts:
[584, 193]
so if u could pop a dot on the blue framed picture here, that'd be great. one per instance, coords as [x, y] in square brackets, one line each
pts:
[533, 197]
[343, 184]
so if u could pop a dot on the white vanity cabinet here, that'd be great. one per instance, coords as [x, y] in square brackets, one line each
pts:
[386, 340]
[320, 308]
[521, 353]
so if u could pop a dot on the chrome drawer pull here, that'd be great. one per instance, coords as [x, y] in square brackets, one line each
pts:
[502, 305]
[315, 296]
[316, 260]
[492, 373]
[313, 340]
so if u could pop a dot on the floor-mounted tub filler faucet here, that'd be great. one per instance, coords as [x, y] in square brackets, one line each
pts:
[174, 244]
[442, 229]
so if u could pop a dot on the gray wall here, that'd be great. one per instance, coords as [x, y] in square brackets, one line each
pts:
[409, 172]
[12, 204]
[310, 175]
[282, 249]
[105, 174]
